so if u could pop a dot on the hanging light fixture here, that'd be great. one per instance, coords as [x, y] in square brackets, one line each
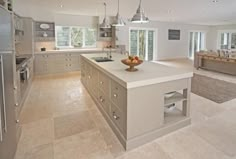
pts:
[139, 16]
[105, 23]
[118, 21]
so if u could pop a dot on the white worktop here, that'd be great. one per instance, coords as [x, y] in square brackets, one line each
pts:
[148, 72]
[89, 50]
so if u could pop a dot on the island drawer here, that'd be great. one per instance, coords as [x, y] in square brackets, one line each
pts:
[104, 101]
[118, 118]
[104, 83]
[118, 95]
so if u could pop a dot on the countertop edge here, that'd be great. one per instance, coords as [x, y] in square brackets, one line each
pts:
[140, 83]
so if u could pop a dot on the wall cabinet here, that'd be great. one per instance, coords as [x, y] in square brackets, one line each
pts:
[56, 63]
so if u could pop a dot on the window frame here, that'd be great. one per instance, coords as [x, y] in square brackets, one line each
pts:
[154, 41]
[71, 46]
[230, 32]
[202, 43]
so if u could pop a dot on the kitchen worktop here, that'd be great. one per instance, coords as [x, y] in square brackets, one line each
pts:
[92, 50]
[148, 73]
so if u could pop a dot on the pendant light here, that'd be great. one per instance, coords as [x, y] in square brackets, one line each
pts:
[139, 16]
[105, 23]
[118, 21]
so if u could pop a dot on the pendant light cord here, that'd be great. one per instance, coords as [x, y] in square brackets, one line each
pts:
[105, 5]
[118, 6]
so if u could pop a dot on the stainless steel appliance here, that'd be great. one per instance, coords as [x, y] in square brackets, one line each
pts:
[8, 140]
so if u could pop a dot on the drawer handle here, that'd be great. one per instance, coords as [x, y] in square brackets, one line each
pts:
[115, 116]
[115, 95]
[101, 99]
[101, 82]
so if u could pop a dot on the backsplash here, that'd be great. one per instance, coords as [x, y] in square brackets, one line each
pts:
[51, 45]
[48, 45]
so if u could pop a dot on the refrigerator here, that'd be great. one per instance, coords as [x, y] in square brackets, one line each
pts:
[8, 141]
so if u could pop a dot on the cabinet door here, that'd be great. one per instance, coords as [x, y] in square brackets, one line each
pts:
[40, 64]
[83, 71]
[118, 95]
[58, 63]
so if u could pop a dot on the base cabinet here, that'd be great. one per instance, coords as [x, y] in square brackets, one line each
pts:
[137, 115]
[56, 63]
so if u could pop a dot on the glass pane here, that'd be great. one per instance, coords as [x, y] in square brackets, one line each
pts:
[233, 41]
[63, 36]
[77, 37]
[142, 43]
[191, 45]
[150, 45]
[224, 41]
[90, 37]
[196, 42]
[133, 42]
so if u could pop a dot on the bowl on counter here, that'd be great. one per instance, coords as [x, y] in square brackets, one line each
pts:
[131, 64]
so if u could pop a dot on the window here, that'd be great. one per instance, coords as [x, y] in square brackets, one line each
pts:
[73, 37]
[227, 40]
[142, 43]
[197, 42]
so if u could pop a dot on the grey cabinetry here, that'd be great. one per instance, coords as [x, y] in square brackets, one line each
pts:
[109, 95]
[56, 63]
[137, 115]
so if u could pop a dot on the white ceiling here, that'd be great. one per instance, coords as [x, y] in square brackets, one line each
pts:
[185, 11]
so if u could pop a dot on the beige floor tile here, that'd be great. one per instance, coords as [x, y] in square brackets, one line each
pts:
[87, 145]
[35, 112]
[41, 152]
[184, 144]
[220, 132]
[33, 135]
[204, 106]
[72, 124]
[148, 151]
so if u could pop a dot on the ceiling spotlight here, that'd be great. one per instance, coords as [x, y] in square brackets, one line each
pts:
[61, 6]
[215, 1]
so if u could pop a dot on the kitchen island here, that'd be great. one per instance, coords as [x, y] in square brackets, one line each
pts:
[133, 103]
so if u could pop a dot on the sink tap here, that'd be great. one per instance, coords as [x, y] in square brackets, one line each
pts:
[109, 55]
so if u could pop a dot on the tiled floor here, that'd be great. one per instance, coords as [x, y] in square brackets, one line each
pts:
[60, 121]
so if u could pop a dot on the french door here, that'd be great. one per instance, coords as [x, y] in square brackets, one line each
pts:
[142, 43]
[197, 42]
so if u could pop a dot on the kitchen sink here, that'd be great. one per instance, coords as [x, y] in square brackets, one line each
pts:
[19, 60]
[102, 59]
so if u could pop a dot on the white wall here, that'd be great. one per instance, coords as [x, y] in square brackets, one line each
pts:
[166, 49]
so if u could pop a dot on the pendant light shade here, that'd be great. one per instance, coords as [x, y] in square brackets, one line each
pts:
[105, 23]
[118, 19]
[139, 16]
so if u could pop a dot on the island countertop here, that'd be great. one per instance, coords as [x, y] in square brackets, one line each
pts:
[148, 72]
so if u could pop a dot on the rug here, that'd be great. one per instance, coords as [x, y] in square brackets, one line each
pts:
[213, 89]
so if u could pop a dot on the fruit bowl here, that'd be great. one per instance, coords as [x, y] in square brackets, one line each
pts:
[131, 64]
